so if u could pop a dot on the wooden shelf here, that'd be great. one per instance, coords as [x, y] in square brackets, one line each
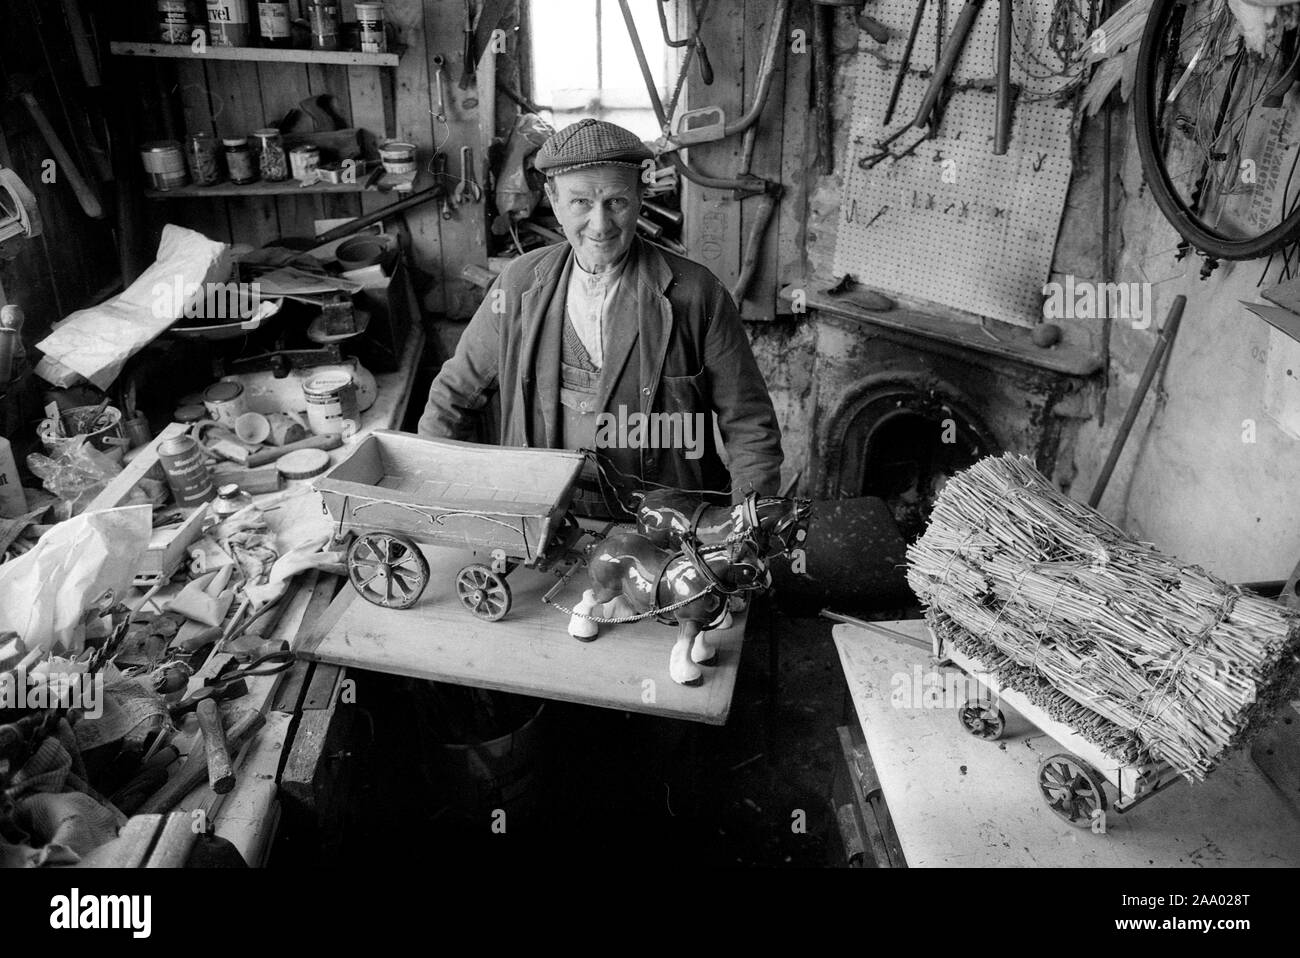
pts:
[182, 51]
[227, 190]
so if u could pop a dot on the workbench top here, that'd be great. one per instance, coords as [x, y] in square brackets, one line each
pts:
[956, 800]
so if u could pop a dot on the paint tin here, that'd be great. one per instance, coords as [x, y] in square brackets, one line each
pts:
[397, 157]
[174, 21]
[303, 163]
[370, 26]
[187, 472]
[228, 24]
[164, 164]
[225, 402]
[332, 407]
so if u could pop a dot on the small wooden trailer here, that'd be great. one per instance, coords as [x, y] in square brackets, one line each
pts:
[396, 490]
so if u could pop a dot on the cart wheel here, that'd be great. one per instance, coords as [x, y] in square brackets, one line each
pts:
[982, 719]
[387, 570]
[1072, 788]
[483, 592]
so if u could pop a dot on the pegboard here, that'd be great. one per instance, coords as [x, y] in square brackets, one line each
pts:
[951, 223]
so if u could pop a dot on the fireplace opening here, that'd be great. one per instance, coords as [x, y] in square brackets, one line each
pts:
[901, 442]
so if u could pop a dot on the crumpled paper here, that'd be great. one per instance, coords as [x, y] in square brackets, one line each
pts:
[97, 342]
[45, 593]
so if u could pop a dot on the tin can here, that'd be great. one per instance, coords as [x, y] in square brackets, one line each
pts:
[225, 402]
[174, 21]
[303, 161]
[397, 157]
[228, 24]
[204, 157]
[187, 472]
[164, 164]
[241, 162]
[370, 26]
[332, 407]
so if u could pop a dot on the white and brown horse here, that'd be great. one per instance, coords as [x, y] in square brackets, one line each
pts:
[629, 567]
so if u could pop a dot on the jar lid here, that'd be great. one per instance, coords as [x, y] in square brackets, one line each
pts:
[189, 413]
[159, 146]
[325, 383]
[223, 391]
[303, 463]
[236, 141]
[229, 490]
[267, 131]
[201, 136]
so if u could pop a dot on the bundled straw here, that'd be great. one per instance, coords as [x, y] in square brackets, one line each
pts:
[1186, 664]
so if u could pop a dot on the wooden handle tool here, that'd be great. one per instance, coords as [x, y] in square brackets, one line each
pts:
[221, 774]
[315, 442]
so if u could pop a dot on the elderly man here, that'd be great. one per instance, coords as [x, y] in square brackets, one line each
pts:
[609, 344]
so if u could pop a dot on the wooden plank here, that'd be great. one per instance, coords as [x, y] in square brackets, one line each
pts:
[332, 81]
[366, 93]
[796, 152]
[268, 192]
[530, 652]
[208, 218]
[255, 54]
[284, 86]
[464, 236]
[956, 800]
[237, 103]
[120, 486]
[712, 230]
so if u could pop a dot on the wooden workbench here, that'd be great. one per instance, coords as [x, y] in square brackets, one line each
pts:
[529, 652]
[956, 800]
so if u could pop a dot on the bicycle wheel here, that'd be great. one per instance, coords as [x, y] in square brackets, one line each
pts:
[1215, 133]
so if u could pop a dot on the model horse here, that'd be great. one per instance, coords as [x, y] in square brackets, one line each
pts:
[629, 567]
[666, 517]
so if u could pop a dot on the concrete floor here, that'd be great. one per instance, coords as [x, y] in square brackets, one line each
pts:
[613, 786]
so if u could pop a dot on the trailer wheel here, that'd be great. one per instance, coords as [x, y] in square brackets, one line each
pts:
[483, 592]
[982, 719]
[386, 569]
[1072, 789]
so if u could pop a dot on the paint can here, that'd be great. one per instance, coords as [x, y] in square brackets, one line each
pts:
[225, 402]
[303, 162]
[164, 164]
[397, 157]
[228, 24]
[187, 472]
[174, 21]
[370, 26]
[332, 407]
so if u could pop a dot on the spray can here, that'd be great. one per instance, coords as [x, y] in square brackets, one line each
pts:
[187, 472]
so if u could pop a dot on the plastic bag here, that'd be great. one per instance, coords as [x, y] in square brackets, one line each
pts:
[519, 186]
[76, 473]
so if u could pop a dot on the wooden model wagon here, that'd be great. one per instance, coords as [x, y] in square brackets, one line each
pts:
[396, 490]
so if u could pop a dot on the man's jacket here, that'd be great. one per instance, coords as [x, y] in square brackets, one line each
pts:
[685, 351]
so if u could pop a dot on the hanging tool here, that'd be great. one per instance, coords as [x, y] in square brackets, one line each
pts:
[694, 45]
[754, 242]
[440, 86]
[438, 167]
[904, 63]
[952, 52]
[467, 76]
[1002, 130]
[86, 195]
[467, 190]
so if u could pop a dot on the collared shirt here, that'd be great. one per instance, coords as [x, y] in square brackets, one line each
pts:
[586, 302]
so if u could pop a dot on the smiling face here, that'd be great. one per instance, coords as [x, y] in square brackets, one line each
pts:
[598, 207]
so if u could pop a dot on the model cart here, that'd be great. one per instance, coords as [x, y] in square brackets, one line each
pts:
[396, 490]
[1072, 783]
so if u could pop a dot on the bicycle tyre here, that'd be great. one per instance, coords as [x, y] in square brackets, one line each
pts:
[1200, 235]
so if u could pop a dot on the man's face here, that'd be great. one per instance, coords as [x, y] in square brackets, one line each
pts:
[597, 207]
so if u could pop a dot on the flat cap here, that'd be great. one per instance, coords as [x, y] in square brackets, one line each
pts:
[590, 143]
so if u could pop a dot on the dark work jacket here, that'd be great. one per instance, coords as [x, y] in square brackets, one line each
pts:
[684, 351]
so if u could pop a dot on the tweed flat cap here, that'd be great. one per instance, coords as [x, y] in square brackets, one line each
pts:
[590, 143]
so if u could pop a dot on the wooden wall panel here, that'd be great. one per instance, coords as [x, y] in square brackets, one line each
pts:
[796, 134]
[760, 301]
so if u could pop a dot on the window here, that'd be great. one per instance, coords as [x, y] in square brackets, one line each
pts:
[584, 64]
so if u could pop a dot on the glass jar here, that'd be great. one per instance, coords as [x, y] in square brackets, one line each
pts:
[326, 24]
[273, 22]
[241, 163]
[272, 161]
[204, 159]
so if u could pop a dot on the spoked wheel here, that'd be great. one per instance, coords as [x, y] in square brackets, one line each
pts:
[1214, 131]
[483, 592]
[1072, 788]
[388, 570]
[982, 719]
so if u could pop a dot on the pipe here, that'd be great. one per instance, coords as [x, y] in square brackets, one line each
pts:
[1167, 333]
[1002, 127]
